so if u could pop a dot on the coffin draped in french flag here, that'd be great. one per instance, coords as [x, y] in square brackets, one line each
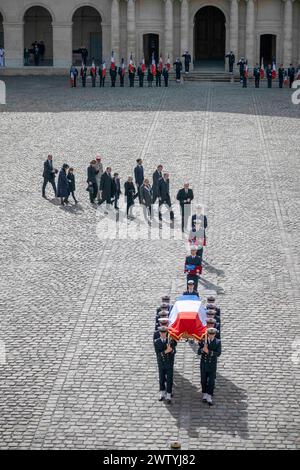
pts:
[187, 318]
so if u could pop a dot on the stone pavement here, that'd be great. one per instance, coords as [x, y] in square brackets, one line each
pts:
[77, 302]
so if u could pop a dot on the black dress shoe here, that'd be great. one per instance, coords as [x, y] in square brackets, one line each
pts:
[169, 402]
[161, 399]
[44, 196]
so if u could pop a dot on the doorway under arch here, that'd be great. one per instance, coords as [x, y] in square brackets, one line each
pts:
[87, 33]
[151, 46]
[268, 48]
[209, 37]
[38, 31]
[1, 31]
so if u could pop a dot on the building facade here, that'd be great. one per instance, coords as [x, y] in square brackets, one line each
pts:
[255, 29]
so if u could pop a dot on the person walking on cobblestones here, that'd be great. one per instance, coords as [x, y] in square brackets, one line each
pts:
[146, 198]
[130, 195]
[63, 185]
[193, 267]
[49, 175]
[164, 195]
[116, 191]
[71, 180]
[139, 176]
[91, 181]
[185, 197]
[156, 177]
[83, 72]
[209, 350]
[200, 217]
[106, 188]
[99, 173]
[256, 75]
[165, 353]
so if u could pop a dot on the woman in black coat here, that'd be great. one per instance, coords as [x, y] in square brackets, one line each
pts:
[130, 195]
[71, 180]
[91, 181]
[63, 185]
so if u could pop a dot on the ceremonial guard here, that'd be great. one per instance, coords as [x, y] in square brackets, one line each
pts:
[102, 74]
[196, 237]
[159, 70]
[130, 195]
[164, 195]
[256, 74]
[83, 72]
[139, 176]
[141, 74]
[73, 76]
[193, 267]
[93, 73]
[113, 76]
[91, 181]
[106, 188]
[241, 64]
[165, 349]
[185, 197]
[149, 77]
[209, 350]
[99, 173]
[269, 75]
[178, 67]
[156, 177]
[166, 75]
[291, 74]
[245, 74]
[202, 219]
[121, 73]
[131, 72]
[162, 321]
[49, 175]
[231, 60]
[281, 75]
[187, 61]
[190, 289]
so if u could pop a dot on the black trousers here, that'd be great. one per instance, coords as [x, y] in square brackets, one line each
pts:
[141, 81]
[230, 67]
[93, 81]
[158, 79]
[166, 201]
[256, 82]
[291, 81]
[185, 214]
[208, 378]
[269, 82]
[187, 66]
[280, 82]
[122, 81]
[113, 82]
[166, 81]
[102, 81]
[117, 197]
[192, 277]
[93, 194]
[166, 372]
[52, 182]
[83, 81]
[244, 82]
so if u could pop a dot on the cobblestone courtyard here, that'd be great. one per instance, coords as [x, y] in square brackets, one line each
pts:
[77, 308]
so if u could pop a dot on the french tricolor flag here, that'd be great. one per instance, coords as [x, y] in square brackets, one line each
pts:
[168, 65]
[187, 318]
[274, 72]
[262, 69]
[112, 61]
[103, 69]
[153, 66]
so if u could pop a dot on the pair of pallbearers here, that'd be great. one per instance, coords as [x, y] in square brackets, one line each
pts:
[209, 348]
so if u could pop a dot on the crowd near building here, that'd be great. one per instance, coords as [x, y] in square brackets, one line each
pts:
[254, 29]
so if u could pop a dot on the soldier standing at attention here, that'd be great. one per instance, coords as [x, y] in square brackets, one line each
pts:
[281, 75]
[166, 75]
[256, 74]
[113, 76]
[231, 60]
[209, 350]
[187, 61]
[165, 352]
[269, 75]
[121, 72]
[141, 75]
[83, 72]
[291, 74]
[93, 73]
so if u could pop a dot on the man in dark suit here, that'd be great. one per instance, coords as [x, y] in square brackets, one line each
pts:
[91, 180]
[231, 60]
[164, 195]
[185, 197]
[269, 75]
[209, 350]
[281, 75]
[139, 176]
[156, 177]
[146, 198]
[116, 189]
[106, 188]
[49, 176]
[193, 267]
[165, 353]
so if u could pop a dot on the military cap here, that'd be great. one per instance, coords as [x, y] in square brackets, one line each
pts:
[211, 307]
[163, 329]
[162, 314]
[164, 306]
[211, 320]
[210, 312]
[211, 331]
[211, 299]
[165, 297]
[194, 248]
[163, 320]
[190, 282]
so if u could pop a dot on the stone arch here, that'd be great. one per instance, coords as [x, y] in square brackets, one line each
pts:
[38, 30]
[87, 32]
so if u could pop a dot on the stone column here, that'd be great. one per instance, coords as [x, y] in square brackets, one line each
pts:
[234, 27]
[169, 30]
[13, 43]
[62, 44]
[131, 46]
[184, 26]
[250, 32]
[115, 29]
[287, 32]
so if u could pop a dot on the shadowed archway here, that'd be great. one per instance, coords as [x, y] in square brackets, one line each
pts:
[87, 33]
[38, 31]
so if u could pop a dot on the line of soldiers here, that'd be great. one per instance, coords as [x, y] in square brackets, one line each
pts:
[209, 348]
[285, 76]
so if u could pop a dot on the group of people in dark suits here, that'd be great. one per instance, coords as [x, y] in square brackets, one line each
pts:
[65, 183]
[102, 185]
[209, 348]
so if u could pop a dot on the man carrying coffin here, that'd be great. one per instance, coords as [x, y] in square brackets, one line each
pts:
[193, 267]
[165, 352]
[209, 350]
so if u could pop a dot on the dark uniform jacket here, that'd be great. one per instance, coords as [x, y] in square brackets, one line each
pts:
[156, 177]
[160, 348]
[203, 220]
[192, 261]
[139, 174]
[214, 351]
[116, 187]
[163, 189]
